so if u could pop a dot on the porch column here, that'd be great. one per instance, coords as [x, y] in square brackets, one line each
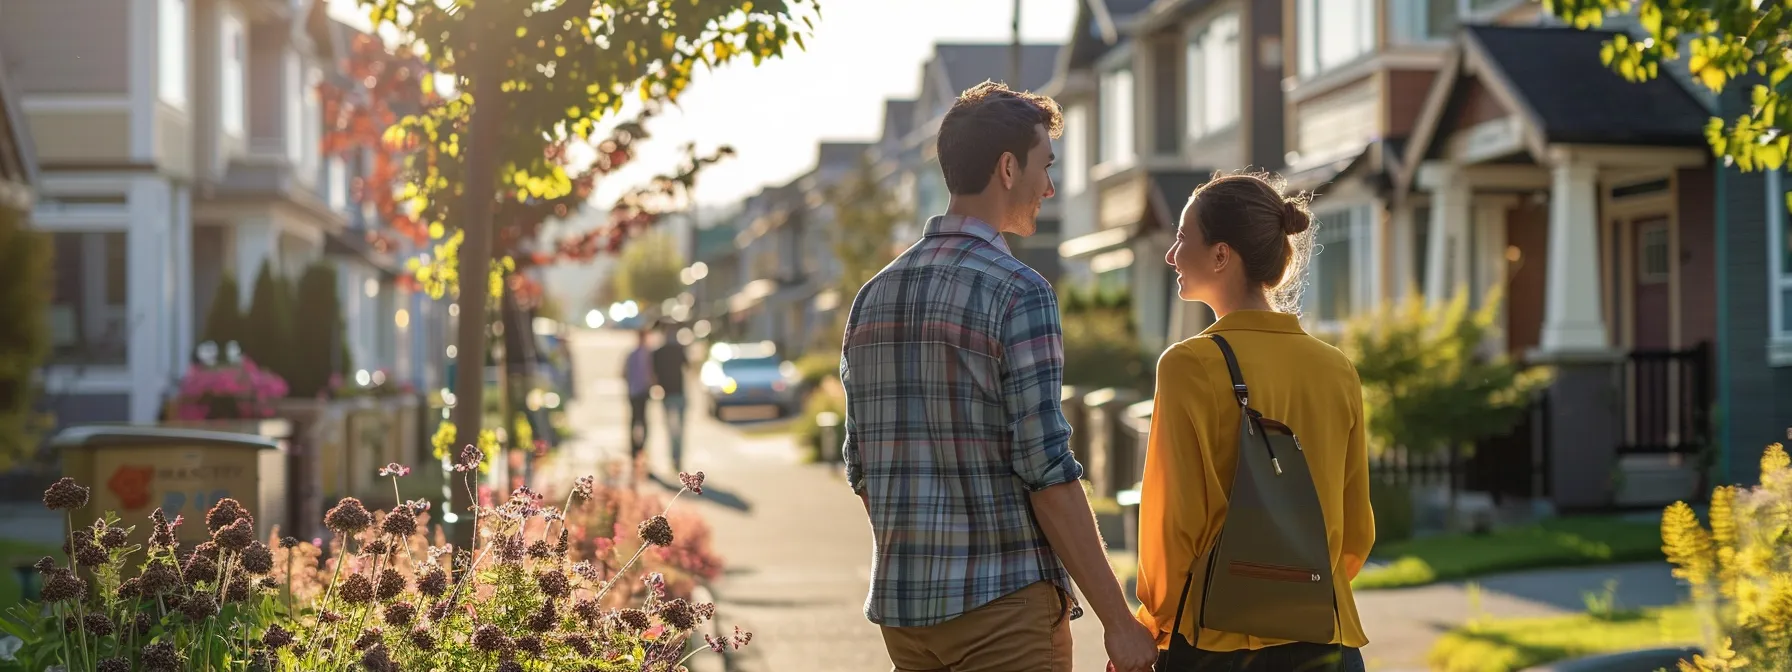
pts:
[1444, 268]
[1585, 400]
[1574, 321]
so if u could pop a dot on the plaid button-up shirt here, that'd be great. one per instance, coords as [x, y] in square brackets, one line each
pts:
[953, 364]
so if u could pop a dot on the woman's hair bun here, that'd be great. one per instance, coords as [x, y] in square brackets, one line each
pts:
[1295, 217]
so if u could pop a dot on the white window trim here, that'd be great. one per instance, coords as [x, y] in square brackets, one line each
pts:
[1195, 66]
[1779, 278]
[293, 73]
[1410, 20]
[172, 56]
[1077, 161]
[1306, 44]
[233, 66]
[1361, 218]
[1117, 155]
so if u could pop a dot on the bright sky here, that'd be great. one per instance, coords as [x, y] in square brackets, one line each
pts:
[863, 52]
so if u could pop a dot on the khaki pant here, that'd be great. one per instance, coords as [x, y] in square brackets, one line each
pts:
[1026, 630]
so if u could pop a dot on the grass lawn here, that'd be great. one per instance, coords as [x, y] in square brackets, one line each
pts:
[1559, 542]
[15, 554]
[1504, 645]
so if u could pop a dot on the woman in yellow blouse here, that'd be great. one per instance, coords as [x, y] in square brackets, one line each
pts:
[1240, 248]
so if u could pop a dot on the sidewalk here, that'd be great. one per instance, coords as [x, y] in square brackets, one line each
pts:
[797, 551]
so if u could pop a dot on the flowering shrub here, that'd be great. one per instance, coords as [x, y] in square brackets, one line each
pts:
[228, 392]
[519, 601]
[1740, 569]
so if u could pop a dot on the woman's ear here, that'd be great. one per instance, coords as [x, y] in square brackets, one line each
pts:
[1222, 257]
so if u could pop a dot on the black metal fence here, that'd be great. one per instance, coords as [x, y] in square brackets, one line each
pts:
[1667, 401]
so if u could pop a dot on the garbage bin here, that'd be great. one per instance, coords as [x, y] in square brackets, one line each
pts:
[134, 469]
[828, 439]
[1109, 447]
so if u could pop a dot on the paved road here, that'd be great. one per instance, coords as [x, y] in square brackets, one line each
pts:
[797, 548]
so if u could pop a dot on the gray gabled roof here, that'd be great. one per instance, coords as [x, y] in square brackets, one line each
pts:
[967, 65]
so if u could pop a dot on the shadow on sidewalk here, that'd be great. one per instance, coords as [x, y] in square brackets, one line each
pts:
[710, 493]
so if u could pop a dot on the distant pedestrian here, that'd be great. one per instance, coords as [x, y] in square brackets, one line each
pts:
[638, 371]
[953, 364]
[670, 360]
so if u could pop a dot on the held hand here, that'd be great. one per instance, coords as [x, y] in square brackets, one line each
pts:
[1130, 647]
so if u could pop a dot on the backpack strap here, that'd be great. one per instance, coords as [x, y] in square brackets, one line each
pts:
[1239, 390]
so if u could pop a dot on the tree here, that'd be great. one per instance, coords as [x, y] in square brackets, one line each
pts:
[224, 320]
[532, 80]
[319, 346]
[648, 272]
[24, 334]
[1721, 41]
[866, 214]
[267, 330]
[1428, 385]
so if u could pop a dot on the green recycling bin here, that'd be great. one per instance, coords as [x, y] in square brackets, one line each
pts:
[135, 469]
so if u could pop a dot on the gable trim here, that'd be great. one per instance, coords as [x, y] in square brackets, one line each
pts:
[1467, 57]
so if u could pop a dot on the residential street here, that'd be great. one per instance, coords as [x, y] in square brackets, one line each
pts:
[797, 549]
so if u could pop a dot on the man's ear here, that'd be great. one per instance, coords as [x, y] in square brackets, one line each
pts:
[1009, 166]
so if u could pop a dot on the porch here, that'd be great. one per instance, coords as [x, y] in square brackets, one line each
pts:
[1532, 173]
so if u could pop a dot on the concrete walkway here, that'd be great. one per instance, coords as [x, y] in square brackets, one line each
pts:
[798, 550]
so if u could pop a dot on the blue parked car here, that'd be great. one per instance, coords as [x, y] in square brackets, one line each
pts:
[750, 375]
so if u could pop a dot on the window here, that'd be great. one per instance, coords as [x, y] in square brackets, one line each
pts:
[236, 53]
[1652, 253]
[171, 52]
[90, 297]
[1435, 20]
[312, 117]
[1333, 32]
[1076, 149]
[1116, 117]
[1779, 258]
[336, 183]
[1332, 290]
[294, 76]
[1213, 71]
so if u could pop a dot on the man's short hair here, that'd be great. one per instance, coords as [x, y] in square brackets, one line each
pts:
[987, 120]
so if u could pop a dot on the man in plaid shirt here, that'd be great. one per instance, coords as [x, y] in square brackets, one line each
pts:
[953, 363]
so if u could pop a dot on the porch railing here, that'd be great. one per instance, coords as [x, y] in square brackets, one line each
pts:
[1667, 401]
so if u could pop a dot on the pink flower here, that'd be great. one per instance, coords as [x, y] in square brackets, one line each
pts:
[395, 469]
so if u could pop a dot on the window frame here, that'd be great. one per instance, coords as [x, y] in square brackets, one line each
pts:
[1076, 148]
[1358, 217]
[1309, 52]
[233, 96]
[1779, 270]
[102, 287]
[173, 52]
[1199, 66]
[1118, 145]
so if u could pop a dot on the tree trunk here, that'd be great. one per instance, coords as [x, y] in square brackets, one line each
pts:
[475, 265]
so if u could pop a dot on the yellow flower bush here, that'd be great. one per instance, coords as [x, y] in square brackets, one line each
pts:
[1740, 569]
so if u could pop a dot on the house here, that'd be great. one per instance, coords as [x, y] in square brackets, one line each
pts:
[178, 140]
[787, 255]
[1158, 96]
[1590, 202]
[391, 326]
[952, 69]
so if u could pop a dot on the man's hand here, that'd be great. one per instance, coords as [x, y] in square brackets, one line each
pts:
[1130, 647]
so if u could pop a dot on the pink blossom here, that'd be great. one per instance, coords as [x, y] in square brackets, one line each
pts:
[395, 469]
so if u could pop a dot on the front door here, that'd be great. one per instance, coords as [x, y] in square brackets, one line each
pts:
[1650, 305]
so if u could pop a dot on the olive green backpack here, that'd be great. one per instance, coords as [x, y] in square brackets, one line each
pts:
[1269, 573]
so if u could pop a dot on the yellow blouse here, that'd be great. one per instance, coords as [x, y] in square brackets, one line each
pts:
[1192, 452]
